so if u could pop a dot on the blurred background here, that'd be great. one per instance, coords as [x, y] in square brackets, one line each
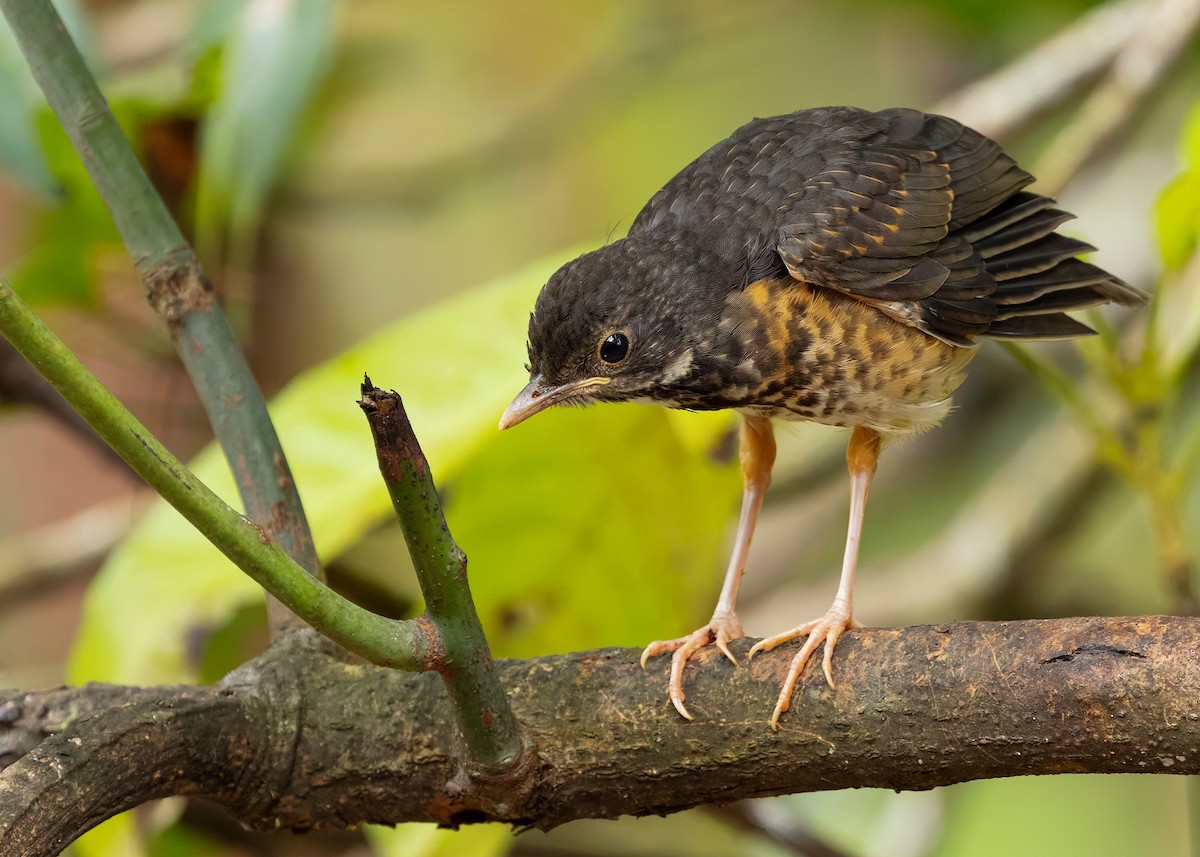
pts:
[380, 186]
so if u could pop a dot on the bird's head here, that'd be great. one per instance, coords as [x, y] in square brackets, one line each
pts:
[614, 325]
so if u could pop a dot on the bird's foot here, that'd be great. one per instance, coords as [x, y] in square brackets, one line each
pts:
[827, 629]
[720, 630]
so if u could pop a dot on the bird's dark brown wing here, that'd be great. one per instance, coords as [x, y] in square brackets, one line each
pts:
[870, 222]
[852, 200]
[910, 211]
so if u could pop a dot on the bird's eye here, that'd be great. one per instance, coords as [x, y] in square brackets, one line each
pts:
[614, 348]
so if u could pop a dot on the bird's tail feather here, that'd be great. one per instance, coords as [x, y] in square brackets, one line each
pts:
[1037, 273]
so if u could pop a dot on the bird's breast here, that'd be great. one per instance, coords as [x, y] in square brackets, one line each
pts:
[786, 350]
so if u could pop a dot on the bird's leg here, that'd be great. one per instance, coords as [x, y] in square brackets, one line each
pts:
[862, 456]
[757, 456]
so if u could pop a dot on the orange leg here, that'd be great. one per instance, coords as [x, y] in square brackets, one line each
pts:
[757, 455]
[862, 456]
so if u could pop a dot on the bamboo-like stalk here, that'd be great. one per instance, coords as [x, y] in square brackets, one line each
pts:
[175, 284]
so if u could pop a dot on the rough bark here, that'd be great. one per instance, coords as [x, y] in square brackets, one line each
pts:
[27, 719]
[299, 739]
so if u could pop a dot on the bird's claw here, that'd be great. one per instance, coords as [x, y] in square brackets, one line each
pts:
[828, 629]
[720, 631]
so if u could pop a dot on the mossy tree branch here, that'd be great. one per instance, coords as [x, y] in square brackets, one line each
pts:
[298, 740]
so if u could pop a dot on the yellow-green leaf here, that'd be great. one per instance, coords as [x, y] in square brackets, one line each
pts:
[594, 527]
[428, 840]
[274, 58]
[1177, 210]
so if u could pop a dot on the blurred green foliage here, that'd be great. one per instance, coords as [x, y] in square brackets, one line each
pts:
[253, 70]
[1178, 210]
[625, 550]
[510, 132]
[67, 235]
[70, 227]
[273, 57]
[428, 840]
[20, 155]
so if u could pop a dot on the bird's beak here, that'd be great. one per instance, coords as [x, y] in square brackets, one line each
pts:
[537, 396]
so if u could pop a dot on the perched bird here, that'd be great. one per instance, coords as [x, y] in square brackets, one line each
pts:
[833, 265]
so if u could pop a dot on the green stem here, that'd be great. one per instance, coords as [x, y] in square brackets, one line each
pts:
[1187, 456]
[1140, 460]
[486, 721]
[1109, 447]
[175, 285]
[1164, 491]
[1174, 555]
[401, 644]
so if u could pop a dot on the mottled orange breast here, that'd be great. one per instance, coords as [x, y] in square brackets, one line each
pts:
[830, 358]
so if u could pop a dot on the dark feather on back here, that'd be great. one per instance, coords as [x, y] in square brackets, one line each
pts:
[899, 207]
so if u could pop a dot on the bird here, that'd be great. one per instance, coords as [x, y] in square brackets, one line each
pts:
[835, 265]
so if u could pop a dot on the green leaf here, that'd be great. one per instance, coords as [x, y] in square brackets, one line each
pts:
[177, 840]
[75, 227]
[234, 642]
[166, 583]
[1177, 210]
[980, 819]
[1177, 213]
[215, 21]
[70, 232]
[117, 835]
[275, 57]
[589, 528]
[428, 840]
[57, 268]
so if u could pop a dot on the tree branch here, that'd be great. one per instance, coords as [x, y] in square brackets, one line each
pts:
[448, 638]
[26, 719]
[1003, 104]
[158, 742]
[298, 739]
[461, 657]
[1139, 67]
